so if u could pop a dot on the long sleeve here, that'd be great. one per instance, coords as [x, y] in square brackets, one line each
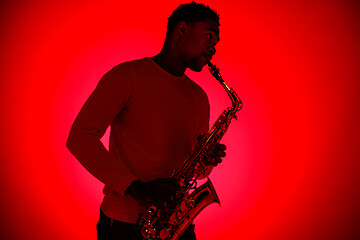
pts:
[155, 120]
[107, 101]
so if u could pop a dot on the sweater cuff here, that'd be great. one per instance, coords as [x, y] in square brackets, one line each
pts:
[124, 181]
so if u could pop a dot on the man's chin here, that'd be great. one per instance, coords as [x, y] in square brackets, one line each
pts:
[197, 68]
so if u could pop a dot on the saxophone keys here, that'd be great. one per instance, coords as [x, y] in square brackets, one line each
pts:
[149, 233]
[164, 233]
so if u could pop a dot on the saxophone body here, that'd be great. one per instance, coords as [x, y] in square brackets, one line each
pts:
[169, 221]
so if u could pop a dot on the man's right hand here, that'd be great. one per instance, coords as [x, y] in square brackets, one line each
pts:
[159, 190]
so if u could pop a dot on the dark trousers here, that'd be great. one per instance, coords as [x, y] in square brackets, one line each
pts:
[108, 229]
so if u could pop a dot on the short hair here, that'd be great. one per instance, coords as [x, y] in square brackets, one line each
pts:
[191, 13]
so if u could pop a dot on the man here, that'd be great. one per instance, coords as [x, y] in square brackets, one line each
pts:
[156, 115]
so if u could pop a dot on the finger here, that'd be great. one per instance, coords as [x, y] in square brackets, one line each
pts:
[220, 146]
[218, 159]
[215, 161]
[158, 200]
[169, 185]
[220, 153]
[160, 196]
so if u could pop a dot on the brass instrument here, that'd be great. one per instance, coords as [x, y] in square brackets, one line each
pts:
[169, 221]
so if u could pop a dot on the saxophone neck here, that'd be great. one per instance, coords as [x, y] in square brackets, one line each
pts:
[236, 101]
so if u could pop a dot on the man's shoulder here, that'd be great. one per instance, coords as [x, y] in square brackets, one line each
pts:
[126, 69]
[132, 63]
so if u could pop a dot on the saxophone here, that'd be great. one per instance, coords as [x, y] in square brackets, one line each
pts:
[169, 221]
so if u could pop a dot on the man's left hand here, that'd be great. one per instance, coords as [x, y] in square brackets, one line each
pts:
[215, 154]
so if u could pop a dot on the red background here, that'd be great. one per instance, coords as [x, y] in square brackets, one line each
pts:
[292, 165]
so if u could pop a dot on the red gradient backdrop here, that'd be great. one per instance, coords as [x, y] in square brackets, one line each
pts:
[292, 165]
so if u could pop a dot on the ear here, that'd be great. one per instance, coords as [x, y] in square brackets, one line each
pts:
[182, 28]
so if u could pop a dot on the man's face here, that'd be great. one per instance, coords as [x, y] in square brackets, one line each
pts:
[199, 44]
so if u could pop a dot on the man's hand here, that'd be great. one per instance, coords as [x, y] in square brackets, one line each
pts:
[159, 190]
[216, 152]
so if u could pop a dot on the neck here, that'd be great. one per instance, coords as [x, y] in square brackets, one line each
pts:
[170, 62]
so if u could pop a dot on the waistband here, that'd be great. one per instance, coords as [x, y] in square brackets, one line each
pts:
[114, 222]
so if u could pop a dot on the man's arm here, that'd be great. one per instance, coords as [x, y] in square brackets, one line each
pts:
[107, 100]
